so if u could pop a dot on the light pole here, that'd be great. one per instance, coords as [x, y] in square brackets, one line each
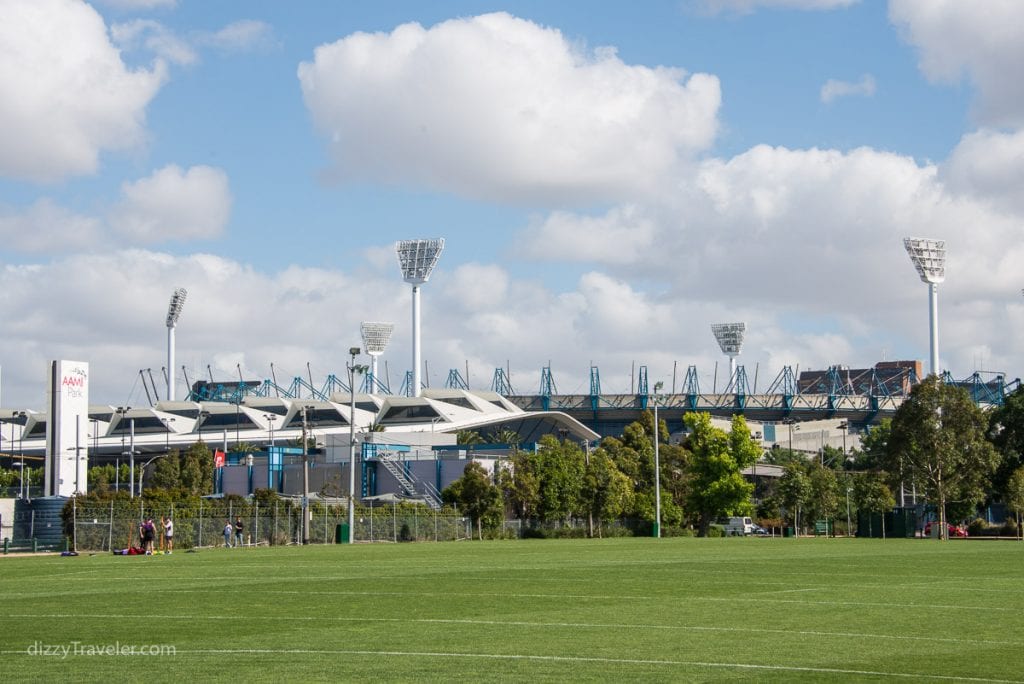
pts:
[375, 338]
[929, 257]
[848, 526]
[167, 433]
[352, 368]
[417, 259]
[173, 312]
[270, 418]
[657, 465]
[305, 478]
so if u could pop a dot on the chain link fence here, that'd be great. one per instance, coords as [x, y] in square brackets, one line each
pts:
[112, 527]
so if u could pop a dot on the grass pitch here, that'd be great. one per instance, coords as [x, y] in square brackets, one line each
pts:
[533, 610]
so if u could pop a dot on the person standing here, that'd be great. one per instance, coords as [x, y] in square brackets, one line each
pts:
[148, 536]
[239, 537]
[228, 530]
[168, 534]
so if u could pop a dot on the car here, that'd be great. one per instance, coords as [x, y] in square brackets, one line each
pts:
[759, 531]
[953, 530]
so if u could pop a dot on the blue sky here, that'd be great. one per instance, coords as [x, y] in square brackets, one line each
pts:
[611, 178]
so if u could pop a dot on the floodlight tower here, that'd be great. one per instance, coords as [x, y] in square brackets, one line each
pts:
[730, 340]
[375, 338]
[417, 259]
[173, 312]
[929, 257]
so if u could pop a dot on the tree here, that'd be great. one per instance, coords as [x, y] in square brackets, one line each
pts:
[794, 489]
[1006, 432]
[477, 496]
[873, 496]
[938, 440]
[196, 470]
[520, 485]
[717, 457]
[166, 472]
[559, 467]
[607, 493]
[1015, 495]
[823, 496]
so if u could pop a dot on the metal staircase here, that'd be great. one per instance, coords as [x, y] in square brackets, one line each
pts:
[412, 485]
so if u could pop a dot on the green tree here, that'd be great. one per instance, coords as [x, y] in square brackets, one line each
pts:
[196, 470]
[520, 485]
[468, 438]
[938, 440]
[874, 446]
[166, 472]
[607, 494]
[823, 497]
[1015, 495]
[873, 495]
[716, 458]
[559, 467]
[1006, 432]
[794, 490]
[477, 496]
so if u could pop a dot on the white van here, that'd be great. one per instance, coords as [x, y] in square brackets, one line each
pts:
[737, 526]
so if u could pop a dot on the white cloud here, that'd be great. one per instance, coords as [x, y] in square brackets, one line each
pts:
[46, 227]
[138, 4]
[65, 94]
[501, 108]
[984, 42]
[748, 6]
[989, 165]
[833, 89]
[240, 36]
[623, 235]
[174, 204]
[154, 37]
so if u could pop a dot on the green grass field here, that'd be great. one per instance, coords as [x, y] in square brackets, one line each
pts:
[575, 610]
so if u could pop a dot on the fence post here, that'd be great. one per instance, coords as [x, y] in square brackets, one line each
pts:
[110, 529]
[273, 538]
[394, 522]
[257, 524]
[371, 521]
[200, 544]
[435, 525]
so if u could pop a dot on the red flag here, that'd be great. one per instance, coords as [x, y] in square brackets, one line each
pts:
[218, 459]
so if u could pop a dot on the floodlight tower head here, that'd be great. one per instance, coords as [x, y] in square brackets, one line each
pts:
[417, 259]
[376, 336]
[929, 257]
[174, 309]
[730, 341]
[173, 312]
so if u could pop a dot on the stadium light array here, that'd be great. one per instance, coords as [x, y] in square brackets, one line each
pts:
[929, 257]
[417, 259]
[376, 336]
[173, 313]
[730, 341]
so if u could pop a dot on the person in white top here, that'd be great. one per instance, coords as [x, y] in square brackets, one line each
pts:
[169, 534]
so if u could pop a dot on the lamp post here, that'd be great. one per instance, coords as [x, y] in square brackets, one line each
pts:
[22, 421]
[417, 259]
[270, 418]
[167, 433]
[657, 466]
[352, 368]
[305, 478]
[929, 258]
[848, 526]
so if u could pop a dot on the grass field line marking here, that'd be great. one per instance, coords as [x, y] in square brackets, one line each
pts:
[522, 623]
[589, 659]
